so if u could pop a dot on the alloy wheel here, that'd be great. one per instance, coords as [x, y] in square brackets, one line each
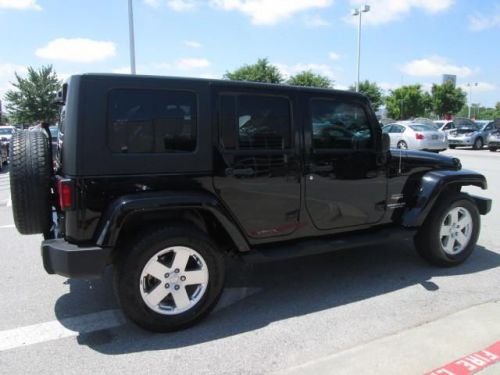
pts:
[174, 280]
[456, 230]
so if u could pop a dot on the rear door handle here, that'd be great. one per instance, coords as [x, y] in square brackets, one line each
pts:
[240, 172]
[321, 168]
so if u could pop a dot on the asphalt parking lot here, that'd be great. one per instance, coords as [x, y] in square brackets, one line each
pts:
[272, 316]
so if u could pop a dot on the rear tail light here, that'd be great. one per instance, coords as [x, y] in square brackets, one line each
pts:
[419, 136]
[65, 191]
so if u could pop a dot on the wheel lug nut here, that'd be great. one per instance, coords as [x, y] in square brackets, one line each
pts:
[167, 275]
[176, 287]
[183, 278]
[167, 286]
[176, 270]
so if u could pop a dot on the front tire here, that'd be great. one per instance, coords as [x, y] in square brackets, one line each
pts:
[492, 149]
[169, 278]
[478, 144]
[450, 232]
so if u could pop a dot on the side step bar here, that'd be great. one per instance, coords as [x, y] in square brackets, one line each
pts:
[314, 246]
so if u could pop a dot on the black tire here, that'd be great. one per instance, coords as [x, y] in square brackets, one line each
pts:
[132, 259]
[428, 240]
[478, 144]
[402, 145]
[453, 147]
[492, 149]
[30, 181]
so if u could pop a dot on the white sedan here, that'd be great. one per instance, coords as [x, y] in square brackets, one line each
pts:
[415, 136]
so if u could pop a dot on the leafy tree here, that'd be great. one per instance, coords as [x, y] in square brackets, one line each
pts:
[32, 100]
[447, 99]
[308, 78]
[261, 71]
[4, 118]
[408, 102]
[372, 91]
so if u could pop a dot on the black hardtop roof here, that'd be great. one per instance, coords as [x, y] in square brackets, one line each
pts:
[225, 83]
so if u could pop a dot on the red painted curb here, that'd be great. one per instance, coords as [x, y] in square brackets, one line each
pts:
[471, 363]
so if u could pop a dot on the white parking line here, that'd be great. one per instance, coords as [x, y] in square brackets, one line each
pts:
[49, 331]
[71, 327]
[9, 202]
[7, 226]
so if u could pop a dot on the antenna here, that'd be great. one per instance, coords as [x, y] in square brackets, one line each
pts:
[400, 158]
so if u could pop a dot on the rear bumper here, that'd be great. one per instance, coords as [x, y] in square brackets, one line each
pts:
[65, 259]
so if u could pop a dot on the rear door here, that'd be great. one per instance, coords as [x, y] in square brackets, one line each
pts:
[257, 169]
[345, 175]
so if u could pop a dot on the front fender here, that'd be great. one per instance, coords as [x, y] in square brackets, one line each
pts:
[126, 207]
[432, 184]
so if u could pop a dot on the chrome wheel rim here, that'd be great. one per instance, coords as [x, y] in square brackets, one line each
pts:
[402, 145]
[174, 280]
[456, 230]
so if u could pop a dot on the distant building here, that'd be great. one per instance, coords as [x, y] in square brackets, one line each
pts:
[450, 78]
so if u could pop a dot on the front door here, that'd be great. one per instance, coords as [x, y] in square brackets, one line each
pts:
[257, 169]
[345, 175]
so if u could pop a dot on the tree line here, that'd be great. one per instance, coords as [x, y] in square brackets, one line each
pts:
[32, 98]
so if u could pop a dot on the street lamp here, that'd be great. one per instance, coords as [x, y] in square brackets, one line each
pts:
[131, 36]
[357, 12]
[469, 85]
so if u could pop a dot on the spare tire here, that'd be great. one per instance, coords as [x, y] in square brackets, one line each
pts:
[30, 181]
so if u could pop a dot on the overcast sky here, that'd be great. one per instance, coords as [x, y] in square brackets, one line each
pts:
[404, 41]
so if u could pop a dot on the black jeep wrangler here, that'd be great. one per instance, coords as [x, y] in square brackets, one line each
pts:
[163, 177]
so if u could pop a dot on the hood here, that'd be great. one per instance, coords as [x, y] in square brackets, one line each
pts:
[427, 160]
[466, 130]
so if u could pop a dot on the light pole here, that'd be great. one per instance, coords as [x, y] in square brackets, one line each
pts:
[469, 85]
[131, 36]
[357, 12]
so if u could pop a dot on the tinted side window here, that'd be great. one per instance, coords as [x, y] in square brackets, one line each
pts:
[263, 122]
[145, 121]
[340, 125]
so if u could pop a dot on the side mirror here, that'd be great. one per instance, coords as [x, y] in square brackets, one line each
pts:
[386, 142]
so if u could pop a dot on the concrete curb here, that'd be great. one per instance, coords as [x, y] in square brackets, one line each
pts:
[417, 350]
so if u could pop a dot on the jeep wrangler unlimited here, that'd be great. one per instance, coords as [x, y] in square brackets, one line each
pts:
[162, 177]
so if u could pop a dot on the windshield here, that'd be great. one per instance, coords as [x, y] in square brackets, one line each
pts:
[5, 131]
[422, 128]
[468, 126]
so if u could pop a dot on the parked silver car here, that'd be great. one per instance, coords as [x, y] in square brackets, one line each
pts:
[415, 136]
[494, 140]
[471, 135]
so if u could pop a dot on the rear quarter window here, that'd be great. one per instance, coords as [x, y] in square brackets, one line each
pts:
[151, 121]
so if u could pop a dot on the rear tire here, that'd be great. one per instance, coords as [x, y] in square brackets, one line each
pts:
[492, 149]
[453, 147]
[442, 241]
[30, 182]
[156, 252]
[402, 145]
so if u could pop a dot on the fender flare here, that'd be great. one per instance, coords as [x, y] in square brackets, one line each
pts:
[126, 207]
[432, 184]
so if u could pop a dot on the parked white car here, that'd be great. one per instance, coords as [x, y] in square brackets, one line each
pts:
[415, 136]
